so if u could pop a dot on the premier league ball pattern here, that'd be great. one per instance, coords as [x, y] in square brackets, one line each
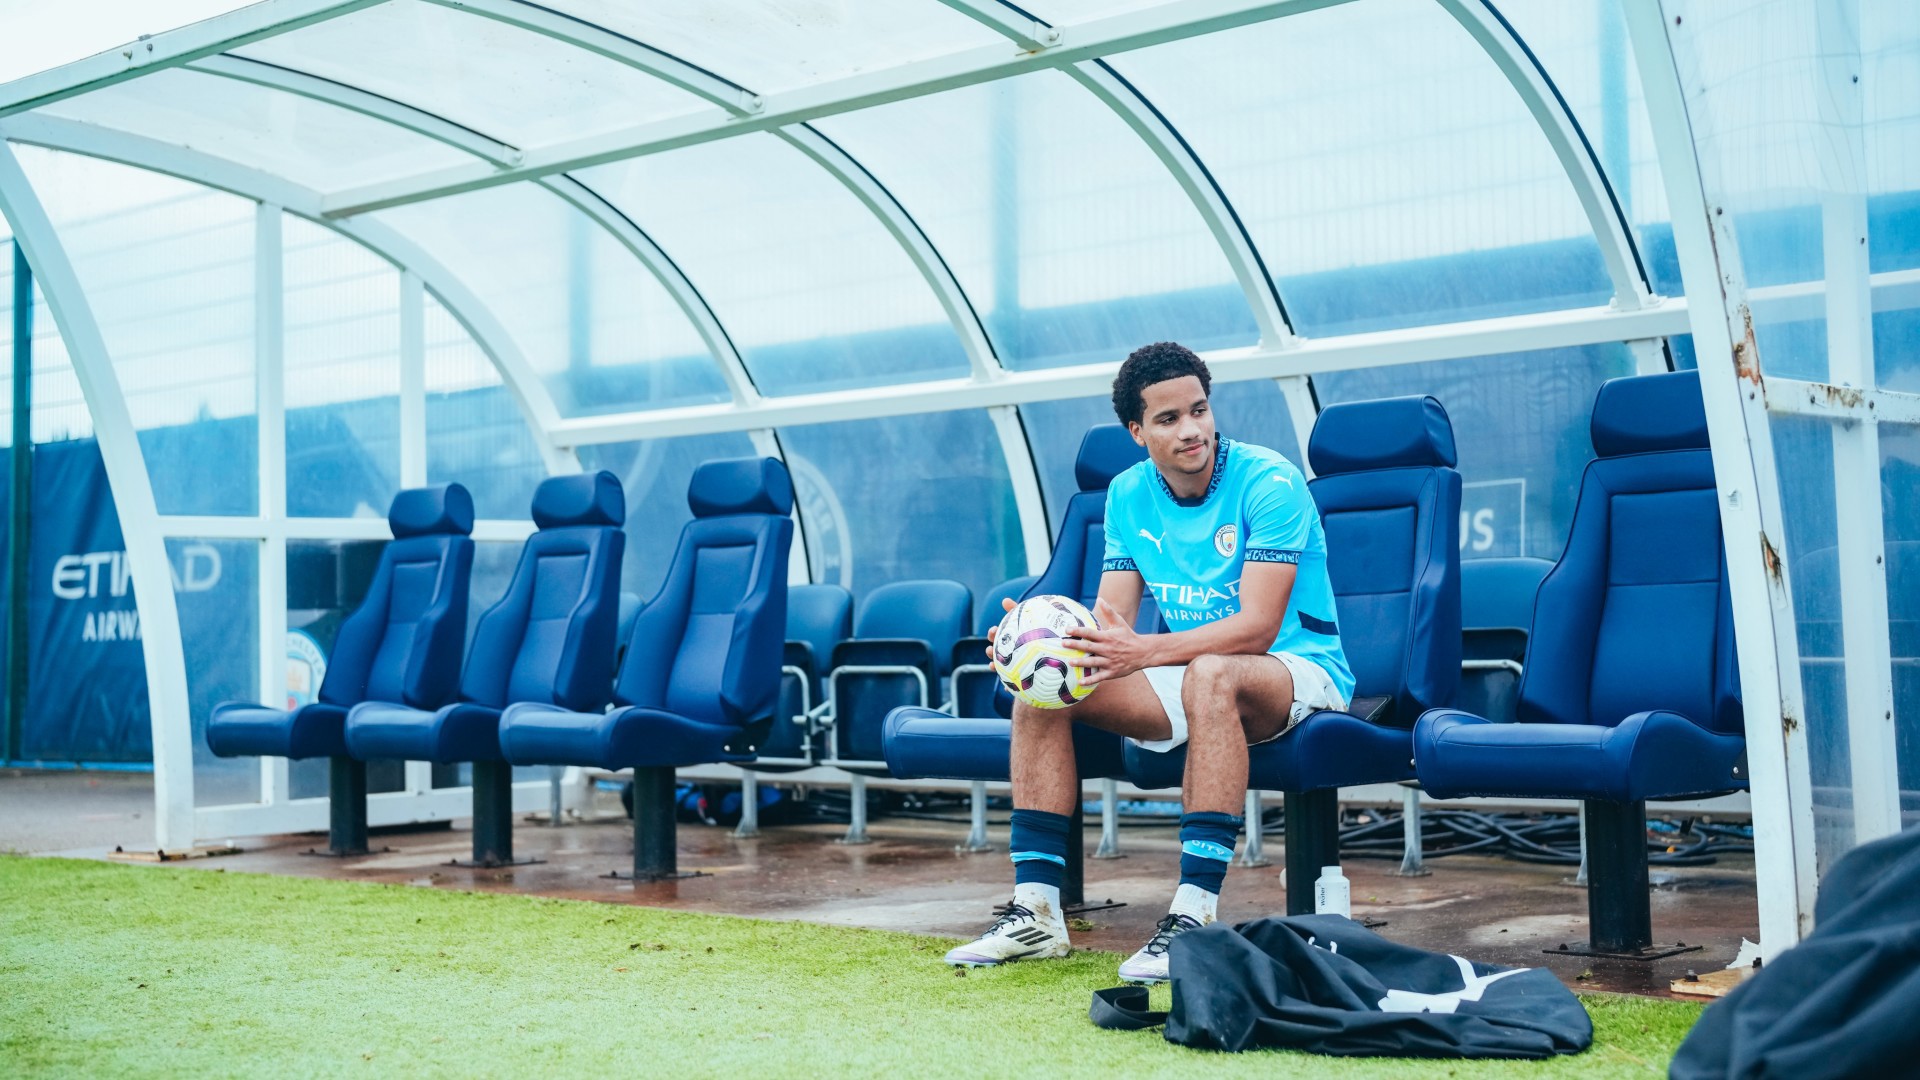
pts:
[1034, 657]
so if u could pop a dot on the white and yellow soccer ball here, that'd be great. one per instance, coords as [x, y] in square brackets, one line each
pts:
[1034, 657]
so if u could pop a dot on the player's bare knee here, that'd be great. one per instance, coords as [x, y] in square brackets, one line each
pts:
[1024, 713]
[1208, 685]
[1208, 675]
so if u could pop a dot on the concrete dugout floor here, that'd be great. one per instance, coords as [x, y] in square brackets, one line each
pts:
[912, 878]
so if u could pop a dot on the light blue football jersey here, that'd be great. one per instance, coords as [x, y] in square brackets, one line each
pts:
[1190, 551]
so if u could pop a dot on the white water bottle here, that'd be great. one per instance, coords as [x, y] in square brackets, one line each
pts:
[1331, 895]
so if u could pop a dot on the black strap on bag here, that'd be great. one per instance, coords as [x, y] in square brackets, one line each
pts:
[1124, 1008]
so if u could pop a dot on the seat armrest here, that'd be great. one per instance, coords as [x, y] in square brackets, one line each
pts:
[799, 654]
[969, 652]
[885, 652]
[805, 678]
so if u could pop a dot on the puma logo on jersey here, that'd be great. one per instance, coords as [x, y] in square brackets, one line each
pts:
[1155, 539]
[1283, 478]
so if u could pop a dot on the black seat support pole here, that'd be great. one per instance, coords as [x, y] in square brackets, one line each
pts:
[1619, 912]
[492, 813]
[654, 854]
[346, 806]
[1313, 842]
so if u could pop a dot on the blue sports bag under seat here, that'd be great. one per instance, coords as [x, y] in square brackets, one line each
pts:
[1327, 985]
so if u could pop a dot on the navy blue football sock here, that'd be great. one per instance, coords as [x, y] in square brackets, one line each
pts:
[1206, 847]
[1039, 847]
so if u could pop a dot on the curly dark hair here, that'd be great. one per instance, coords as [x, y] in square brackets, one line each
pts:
[1151, 364]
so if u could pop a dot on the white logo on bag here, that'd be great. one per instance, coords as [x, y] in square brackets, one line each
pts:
[1155, 539]
[1408, 1001]
[1227, 540]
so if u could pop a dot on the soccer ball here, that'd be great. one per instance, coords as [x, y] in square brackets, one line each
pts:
[1034, 657]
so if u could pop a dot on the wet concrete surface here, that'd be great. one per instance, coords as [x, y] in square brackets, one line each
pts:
[43, 810]
[912, 877]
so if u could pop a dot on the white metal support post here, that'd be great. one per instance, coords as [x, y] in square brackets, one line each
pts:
[269, 352]
[413, 432]
[1873, 753]
[1744, 469]
[1028, 502]
[133, 501]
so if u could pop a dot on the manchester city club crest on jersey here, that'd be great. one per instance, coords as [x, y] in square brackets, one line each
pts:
[1227, 540]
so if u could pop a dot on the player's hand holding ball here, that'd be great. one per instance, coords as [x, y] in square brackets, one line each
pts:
[1035, 654]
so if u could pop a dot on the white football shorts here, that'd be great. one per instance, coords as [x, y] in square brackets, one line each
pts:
[1313, 691]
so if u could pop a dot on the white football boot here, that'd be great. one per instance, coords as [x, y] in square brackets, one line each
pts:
[1149, 965]
[1020, 933]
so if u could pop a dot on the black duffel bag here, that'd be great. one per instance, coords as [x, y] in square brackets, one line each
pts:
[1844, 1002]
[1327, 985]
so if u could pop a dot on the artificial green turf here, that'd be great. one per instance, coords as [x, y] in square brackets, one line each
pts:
[112, 970]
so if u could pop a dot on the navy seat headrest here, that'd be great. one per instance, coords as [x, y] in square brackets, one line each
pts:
[586, 499]
[1644, 414]
[1106, 451]
[741, 486]
[431, 511]
[1391, 433]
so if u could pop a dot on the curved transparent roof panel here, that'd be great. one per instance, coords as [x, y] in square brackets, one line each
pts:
[308, 142]
[596, 326]
[1061, 12]
[167, 268]
[1805, 121]
[1386, 169]
[1583, 46]
[770, 45]
[510, 84]
[1890, 89]
[1070, 237]
[811, 287]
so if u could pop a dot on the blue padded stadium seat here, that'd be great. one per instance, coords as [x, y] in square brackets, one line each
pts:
[928, 744]
[1389, 499]
[905, 626]
[818, 618]
[971, 683]
[1498, 593]
[1630, 691]
[1496, 606]
[901, 654]
[976, 744]
[701, 677]
[990, 609]
[401, 645]
[548, 640]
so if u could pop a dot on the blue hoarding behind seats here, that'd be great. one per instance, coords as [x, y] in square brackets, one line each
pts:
[86, 689]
